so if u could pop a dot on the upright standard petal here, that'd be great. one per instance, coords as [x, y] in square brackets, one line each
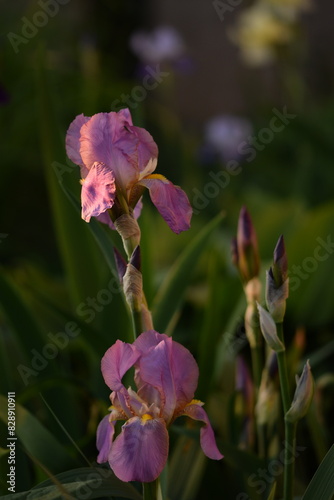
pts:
[155, 370]
[72, 139]
[147, 150]
[118, 359]
[208, 442]
[140, 452]
[98, 191]
[171, 201]
[105, 138]
[170, 368]
[104, 437]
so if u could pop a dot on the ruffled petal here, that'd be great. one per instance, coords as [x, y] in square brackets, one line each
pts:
[98, 191]
[208, 442]
[171, 201]
[116, 362]
[104, 437]
[72, 139]
[140, 451]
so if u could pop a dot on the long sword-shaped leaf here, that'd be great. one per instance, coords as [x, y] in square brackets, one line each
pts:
[321, 486]
[169, 296]
[37, 440]
[81, 259]
[85, 482]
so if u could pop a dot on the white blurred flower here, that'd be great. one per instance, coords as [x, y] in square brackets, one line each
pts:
[225, 133]
[163, 43]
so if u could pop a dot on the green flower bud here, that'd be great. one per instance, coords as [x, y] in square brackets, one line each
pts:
[269, 330]
[303, 395]
[277, 283]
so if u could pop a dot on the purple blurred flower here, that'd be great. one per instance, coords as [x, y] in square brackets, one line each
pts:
[166, 377]
[162, 44]
[225, 133]
[117, 161]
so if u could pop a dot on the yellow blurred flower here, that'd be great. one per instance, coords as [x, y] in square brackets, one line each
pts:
[258, 33]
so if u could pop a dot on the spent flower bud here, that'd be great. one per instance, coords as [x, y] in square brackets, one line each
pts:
[248, 260]
[303, 395]
[269, 330]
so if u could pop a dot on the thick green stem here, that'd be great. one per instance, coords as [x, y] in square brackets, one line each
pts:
[283, 372]
[289, 459]
[137, 323]
[152, 491]
[289, 428]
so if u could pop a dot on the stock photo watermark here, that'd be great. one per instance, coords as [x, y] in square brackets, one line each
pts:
[153, 78]
[247, 149]
[222, 8]
[3, 236]
[297, 274]
[31, 27]
[60, 340]
[266, 476]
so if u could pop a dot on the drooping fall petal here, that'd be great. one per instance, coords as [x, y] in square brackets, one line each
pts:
[171, 201]
[98, 191]
[140, 452]
[208, 442]
[104, 437]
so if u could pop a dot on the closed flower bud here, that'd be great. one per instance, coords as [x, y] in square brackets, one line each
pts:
[269, 330]
[247, 248]
[268, 401]
[277, 283]
[280, 263]
[303, 395]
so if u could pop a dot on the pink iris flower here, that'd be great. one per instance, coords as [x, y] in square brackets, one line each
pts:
[166, 377]
[117, 161]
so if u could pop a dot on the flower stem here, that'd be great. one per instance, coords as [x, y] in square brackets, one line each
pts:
[152, 491]
[289, 459]
[137, 323]
[289, 428]
[283, 371]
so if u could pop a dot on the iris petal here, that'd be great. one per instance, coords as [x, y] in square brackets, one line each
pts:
[72, 139]
[208, 442]
[140, 452]
[104, 437]
[98, 191]
[171, 201]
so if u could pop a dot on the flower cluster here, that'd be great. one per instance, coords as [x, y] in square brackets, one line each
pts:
[166, 377]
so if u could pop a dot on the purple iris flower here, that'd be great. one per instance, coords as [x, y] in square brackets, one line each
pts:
[166, 377]
[117, 161]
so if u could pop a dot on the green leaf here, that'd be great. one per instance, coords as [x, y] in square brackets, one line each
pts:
[85, 482]
[272, 492]
[37, 440]
[171, 292]
[321, 486]
[19, 314]
[80, 257]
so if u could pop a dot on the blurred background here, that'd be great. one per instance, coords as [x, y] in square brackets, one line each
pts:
[239, 97]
